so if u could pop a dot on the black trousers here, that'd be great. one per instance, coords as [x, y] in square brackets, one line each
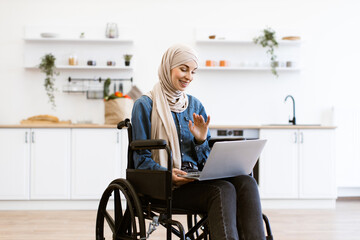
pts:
[233, 206]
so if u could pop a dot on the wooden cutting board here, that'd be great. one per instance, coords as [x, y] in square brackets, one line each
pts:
[44, 122]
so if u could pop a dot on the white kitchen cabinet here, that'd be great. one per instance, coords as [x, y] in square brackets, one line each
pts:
[278, 164]
[96, 161]
[297, 164]
[14, 164]
[34, 163]
[317, 164]
[50, 163]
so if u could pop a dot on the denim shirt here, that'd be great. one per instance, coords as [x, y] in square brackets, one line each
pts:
[190, 150]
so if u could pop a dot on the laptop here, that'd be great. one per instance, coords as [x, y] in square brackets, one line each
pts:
[229, 159]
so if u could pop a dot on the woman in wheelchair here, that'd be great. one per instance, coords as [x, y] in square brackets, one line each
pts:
[167, 112]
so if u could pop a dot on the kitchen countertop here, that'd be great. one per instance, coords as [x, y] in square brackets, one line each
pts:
[272, 126]
[275, 126]
[54, 125]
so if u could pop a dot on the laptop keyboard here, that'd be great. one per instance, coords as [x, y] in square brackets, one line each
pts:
[194, 174]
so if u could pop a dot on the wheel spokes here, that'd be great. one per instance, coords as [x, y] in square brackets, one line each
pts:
[125, 222]
[109, 220]
[117, 207]
[123, 225]
[132, 218]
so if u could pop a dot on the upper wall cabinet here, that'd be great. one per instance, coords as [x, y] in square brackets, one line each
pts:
[224, 49]
[78, 48]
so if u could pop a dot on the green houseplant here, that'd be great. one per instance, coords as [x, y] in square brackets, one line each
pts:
[47, 66]
[127, 58]
[268, 40]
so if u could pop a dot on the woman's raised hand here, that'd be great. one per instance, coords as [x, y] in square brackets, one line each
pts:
[199, 128]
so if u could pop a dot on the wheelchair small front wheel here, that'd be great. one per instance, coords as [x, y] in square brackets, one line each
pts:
[125, 221]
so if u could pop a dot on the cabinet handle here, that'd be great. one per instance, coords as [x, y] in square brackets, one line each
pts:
[295, 137]
[26, 137]
[32, 137]
[117, 137]
[301, 137]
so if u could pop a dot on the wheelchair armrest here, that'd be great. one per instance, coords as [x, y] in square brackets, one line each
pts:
[148, 144]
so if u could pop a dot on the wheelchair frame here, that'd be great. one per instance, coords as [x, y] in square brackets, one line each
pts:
[147, 197]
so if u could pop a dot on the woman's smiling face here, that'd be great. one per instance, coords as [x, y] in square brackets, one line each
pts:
[182, 75]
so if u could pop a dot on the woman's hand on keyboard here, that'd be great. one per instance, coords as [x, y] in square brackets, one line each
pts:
[178, 181]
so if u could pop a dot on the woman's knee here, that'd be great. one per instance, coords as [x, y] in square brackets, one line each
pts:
[244, 181]
[248, 179]
[223, 189]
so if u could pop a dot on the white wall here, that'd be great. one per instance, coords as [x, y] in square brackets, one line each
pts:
[329, 55]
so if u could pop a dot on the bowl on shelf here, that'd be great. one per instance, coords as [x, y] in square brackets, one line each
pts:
[49, 35]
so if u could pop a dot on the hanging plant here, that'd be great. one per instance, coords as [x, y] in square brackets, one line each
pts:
[47, 66]
[268, 40]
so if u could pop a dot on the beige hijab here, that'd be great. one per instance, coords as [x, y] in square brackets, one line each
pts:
[166, 99]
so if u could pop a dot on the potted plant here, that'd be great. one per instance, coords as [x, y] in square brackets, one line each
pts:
[268, 40]
[47, 66]
[127, 58]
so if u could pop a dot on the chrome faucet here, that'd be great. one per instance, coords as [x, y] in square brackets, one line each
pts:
[293, 121]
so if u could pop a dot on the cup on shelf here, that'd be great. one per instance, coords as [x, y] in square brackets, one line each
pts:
[256, 64]
[275, 64]
[73, 60]
[91, 63]
[247, 64]
[261, 64]
[223, 63]
[110, 63]
[210, 63]
[291, 64]
[282, 64]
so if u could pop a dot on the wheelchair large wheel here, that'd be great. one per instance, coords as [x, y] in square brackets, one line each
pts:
[198, 224]
[126, 220]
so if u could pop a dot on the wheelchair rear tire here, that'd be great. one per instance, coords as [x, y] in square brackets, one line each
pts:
[192, 221]
[127, 221]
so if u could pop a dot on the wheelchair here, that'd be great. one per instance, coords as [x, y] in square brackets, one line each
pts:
[147, 194]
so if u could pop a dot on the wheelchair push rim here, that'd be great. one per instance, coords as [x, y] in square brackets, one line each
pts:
[127, 221]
